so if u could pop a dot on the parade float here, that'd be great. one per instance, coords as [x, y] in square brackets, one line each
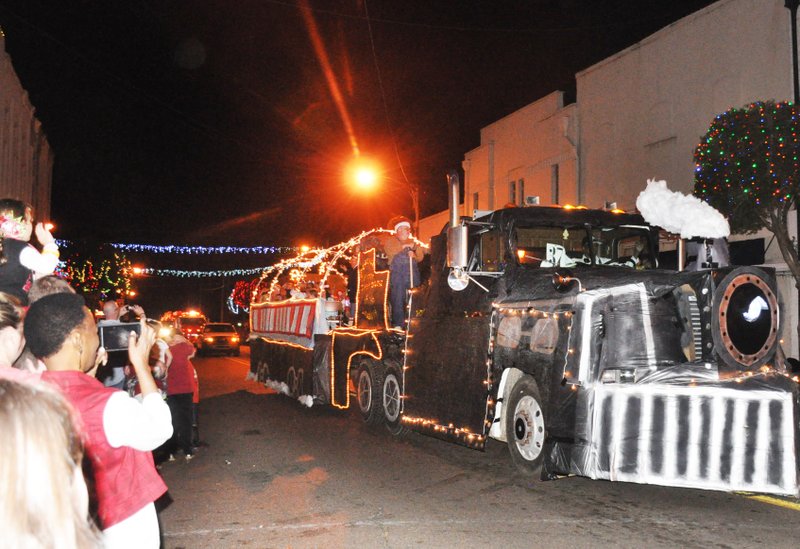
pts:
[554, 330]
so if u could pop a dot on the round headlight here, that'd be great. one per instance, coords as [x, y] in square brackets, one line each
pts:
[745, 318]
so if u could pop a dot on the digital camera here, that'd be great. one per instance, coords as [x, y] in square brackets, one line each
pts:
[114, 337]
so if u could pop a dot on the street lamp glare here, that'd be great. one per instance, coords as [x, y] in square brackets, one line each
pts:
[365, 177]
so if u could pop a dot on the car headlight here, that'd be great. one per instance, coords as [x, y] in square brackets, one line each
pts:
[234, 339]
[209, 339]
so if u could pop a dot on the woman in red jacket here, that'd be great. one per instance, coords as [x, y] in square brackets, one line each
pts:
[180, 389]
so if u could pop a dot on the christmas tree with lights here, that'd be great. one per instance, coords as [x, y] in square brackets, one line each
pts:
[747, 166]
[99, 274]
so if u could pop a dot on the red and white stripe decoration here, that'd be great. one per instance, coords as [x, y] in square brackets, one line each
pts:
[295, 317]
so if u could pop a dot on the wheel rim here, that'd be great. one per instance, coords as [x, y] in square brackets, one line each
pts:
[528, 428]
[364, 391]
[391, 398]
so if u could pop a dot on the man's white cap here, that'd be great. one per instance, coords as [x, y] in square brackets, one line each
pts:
[405, 224]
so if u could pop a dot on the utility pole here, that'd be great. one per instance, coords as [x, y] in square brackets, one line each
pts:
[792, 6]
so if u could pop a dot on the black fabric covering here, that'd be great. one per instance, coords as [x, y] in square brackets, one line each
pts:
[322, 369]
[445, 377]
[272, 361]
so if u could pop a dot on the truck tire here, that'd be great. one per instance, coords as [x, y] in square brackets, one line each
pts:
[369, 379]
[525, 426]
[392, 394]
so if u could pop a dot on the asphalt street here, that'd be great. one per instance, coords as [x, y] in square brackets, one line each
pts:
[277, 474]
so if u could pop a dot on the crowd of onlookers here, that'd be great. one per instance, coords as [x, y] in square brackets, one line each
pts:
[79, 422]
[77, 466]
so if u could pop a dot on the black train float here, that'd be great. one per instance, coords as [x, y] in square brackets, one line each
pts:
[553, 330]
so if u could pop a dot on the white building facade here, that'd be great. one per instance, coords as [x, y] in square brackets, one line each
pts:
[26, 161]
[644, 110]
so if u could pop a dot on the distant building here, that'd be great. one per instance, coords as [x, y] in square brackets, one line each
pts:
[26, 162]
[529, 157]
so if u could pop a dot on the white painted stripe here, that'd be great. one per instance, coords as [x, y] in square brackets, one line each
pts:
[586, 341]
[715, 443]
[647, 322]
[789, 475]
[596, 433]
[645, 434]
[695, 430]
[619, 409]
[761, 459]
[670, 438]
[739, 441]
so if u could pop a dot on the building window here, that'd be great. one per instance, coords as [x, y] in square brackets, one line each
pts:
[475, 201]
[554, 182]
[521, 192]
[512, 192]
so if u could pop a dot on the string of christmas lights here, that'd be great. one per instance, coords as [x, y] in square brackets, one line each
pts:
[194, 250]
[323, 260]
[179, 273]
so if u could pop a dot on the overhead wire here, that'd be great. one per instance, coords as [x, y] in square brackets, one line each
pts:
[383, 96]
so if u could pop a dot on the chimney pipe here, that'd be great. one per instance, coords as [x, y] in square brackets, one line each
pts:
[453, 181]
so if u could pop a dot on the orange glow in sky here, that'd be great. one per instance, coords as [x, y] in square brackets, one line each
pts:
[327, 70]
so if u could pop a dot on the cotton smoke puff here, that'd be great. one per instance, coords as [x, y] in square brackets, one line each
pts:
[681, 214]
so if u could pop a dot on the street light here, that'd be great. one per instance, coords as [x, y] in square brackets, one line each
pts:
[366, 174]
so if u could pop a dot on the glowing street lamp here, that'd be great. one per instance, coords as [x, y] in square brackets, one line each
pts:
[365, 177]
[365, 174]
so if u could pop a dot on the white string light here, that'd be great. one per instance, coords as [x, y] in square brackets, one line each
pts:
[194, 250]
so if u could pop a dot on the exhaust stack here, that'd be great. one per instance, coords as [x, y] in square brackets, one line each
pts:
[453, 182]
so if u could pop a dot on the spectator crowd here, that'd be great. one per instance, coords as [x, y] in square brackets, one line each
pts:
[80, 423]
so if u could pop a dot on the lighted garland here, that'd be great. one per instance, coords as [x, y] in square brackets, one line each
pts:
[323, 260]
[179, 273]
[194, 250]
[747, 164]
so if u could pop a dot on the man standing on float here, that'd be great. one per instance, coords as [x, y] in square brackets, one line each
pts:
[403, 253]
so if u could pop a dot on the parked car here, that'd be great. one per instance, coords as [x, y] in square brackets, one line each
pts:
[219, 337]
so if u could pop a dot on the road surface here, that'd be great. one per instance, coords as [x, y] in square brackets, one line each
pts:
[277, 474]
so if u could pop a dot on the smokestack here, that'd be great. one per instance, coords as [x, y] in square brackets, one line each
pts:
[452, 180]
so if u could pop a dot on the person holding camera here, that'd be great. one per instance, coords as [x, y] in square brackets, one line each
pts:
[403, 255]
[119, 432]
[112, 374]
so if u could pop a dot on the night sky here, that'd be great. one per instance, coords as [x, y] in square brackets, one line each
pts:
[212, 122]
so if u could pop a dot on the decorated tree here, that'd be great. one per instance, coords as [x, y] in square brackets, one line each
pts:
[98, 274]
[241, 295]
[748, 168]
